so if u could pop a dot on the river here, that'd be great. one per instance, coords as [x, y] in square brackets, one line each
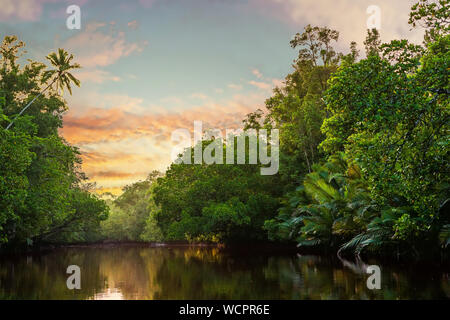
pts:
[184, 272]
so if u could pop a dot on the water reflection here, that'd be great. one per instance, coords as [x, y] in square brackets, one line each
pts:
[125, 272]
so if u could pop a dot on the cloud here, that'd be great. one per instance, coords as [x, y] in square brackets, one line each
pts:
[116, 175]
[123, 135]
[95, 76]
[265, 83]
[257, 73]
[95, 48]
[198, 95]
[277, 82]
[172, 100]
[82, 104]
[260, 85]
[31, 10]
[25, 10]
[349, 17]
[113, 165]
[133, 24]
[235, 86]
[117, 124]
[147, 3]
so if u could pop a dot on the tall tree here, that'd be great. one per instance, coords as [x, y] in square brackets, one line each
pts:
[40, 172]
[297, 108]
[61, 76]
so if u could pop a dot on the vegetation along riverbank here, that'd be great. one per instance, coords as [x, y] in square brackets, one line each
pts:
[364, 157]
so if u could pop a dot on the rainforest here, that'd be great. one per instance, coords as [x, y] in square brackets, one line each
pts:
[363, 158]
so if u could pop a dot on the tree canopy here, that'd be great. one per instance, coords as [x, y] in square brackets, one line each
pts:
[364, 156]
[41, 183]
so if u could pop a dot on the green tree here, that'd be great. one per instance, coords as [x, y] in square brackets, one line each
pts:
[433, 16]
[61, 76]
[297, 108]
[132, 216]
[331, 206]
[43, 197]
[390, 114]
[215, 202]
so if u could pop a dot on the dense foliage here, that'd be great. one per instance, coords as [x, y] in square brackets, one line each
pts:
[364, 156]
[132, 214]
[389, 115]
[216, 202]
[43, 197]
[363, 152]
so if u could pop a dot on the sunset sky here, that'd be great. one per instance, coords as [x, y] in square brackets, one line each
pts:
[152, 66]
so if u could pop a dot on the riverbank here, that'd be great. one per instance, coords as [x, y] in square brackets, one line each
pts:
[262, 248]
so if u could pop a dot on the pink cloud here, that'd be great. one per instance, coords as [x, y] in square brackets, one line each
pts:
[31, 10]
[260, 84]
[95, 48]
[349, 17]
[95, 76]
[147, 3]
[24, 10]
[257, 73]
[133, 24]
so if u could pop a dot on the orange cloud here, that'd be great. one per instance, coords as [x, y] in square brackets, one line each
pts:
[115, 175]
[120, 146]
[260, 84]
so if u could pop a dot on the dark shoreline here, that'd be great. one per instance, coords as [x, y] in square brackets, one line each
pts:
[263, 248]
[258, 246]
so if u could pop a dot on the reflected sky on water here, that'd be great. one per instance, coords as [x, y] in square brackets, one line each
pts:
[137, 272]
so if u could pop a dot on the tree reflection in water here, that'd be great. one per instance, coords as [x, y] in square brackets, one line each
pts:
[140, 272]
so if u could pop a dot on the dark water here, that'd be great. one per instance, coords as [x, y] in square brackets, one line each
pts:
[126, 272]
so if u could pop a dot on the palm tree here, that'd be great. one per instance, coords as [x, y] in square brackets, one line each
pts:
[61, 76]
[336, 204]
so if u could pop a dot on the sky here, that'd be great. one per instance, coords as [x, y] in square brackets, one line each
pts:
[153, 66]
